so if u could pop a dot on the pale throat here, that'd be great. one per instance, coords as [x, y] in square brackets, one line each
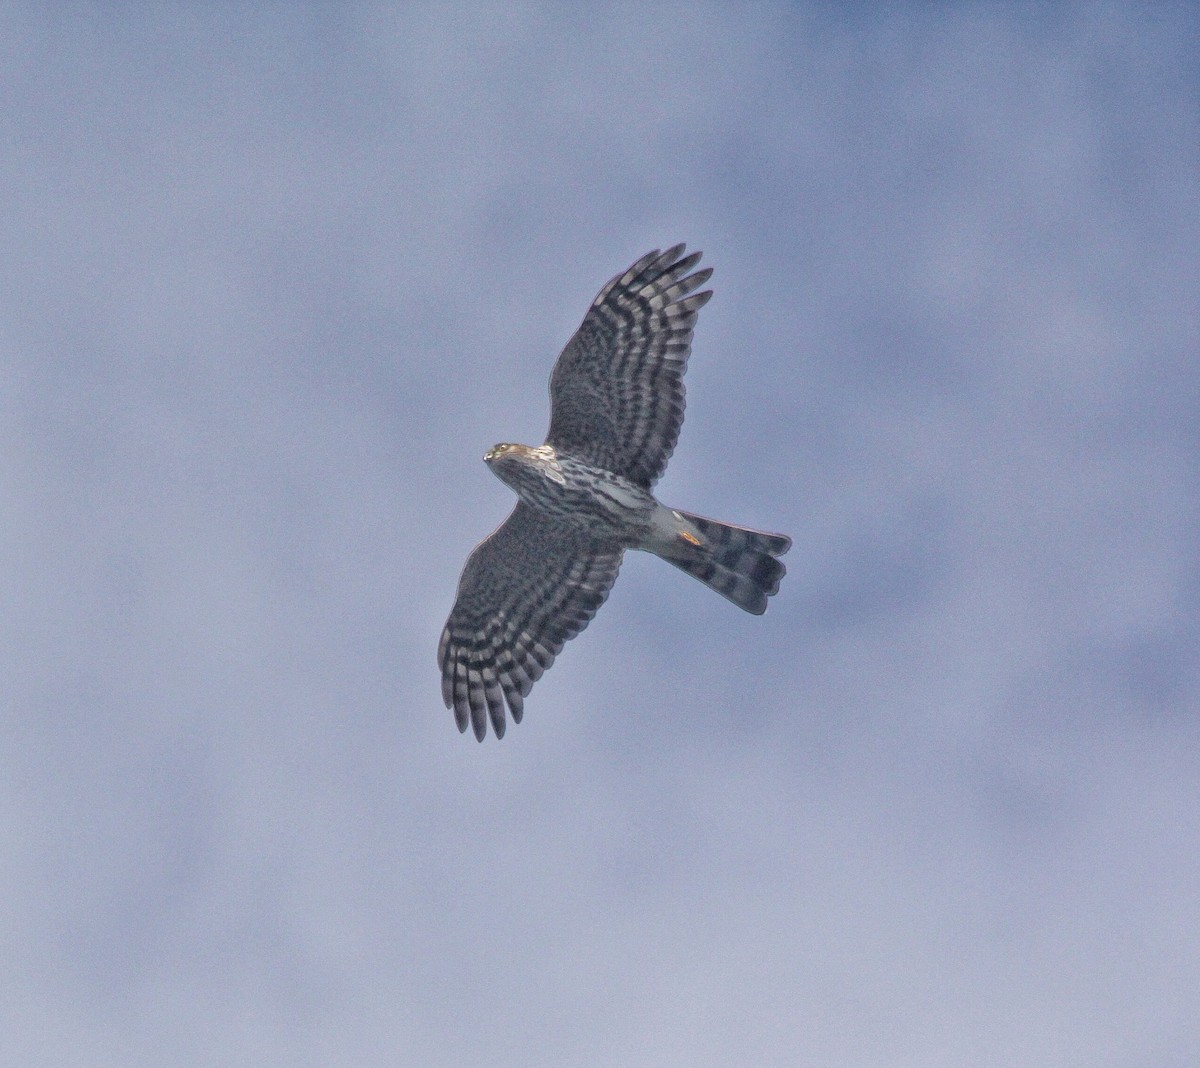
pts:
[546, 460]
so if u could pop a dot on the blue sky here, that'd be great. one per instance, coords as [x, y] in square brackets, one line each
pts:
[276, 279]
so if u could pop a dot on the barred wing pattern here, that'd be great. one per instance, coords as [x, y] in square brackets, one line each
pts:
[616, 394]
[531, 586]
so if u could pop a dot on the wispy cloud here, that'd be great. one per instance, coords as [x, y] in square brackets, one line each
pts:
[276, 280]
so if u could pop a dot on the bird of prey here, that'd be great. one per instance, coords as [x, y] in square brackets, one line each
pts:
[616, 406]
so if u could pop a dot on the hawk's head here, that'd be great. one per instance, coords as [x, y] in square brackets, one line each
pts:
[496, 452]
[524, 468]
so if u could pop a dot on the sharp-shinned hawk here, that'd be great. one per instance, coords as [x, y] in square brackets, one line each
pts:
[616, 403]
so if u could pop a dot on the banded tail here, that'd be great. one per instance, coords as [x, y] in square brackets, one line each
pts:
[740, 564]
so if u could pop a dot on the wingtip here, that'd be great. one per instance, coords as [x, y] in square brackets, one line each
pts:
[674, 252]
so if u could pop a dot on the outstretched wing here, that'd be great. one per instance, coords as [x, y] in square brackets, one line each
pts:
[616, 394]
[528, 588]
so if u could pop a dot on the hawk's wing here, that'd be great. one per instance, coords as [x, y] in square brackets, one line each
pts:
[528, 588]
[616, 394]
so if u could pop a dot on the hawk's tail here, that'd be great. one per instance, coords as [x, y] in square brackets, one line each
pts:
[738, 563]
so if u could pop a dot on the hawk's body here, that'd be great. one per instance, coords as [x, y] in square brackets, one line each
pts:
[617, 403]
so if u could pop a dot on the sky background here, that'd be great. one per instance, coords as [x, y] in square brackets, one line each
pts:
[275, 277]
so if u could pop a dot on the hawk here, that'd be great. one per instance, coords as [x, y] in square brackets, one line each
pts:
[616, 406]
